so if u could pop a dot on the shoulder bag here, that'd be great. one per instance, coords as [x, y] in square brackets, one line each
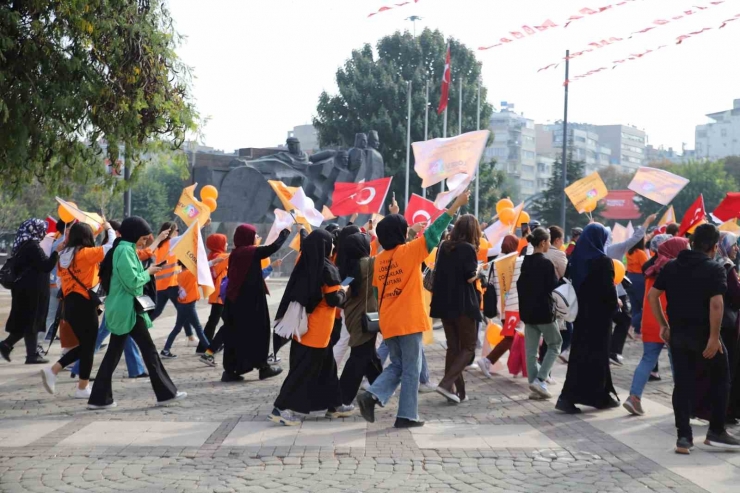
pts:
[429, 273]
[371, 321]
[8, 276]
[490, 297]
[95, 298]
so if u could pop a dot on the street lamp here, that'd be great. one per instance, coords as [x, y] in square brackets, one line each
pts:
[413, 19]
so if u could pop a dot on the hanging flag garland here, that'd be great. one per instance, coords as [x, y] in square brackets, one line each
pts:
[387, 8]
[596, 45]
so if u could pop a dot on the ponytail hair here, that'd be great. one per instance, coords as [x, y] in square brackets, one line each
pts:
[538, 236]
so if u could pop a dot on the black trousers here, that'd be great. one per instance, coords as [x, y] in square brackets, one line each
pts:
[82, 315]
[685, 362]
[363, 362]
[312, 383]
[210, 329]
[30, 336]
[622, 321]
[102, 391]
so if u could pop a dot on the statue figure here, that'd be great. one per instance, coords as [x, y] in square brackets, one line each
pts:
[373, 155]
[373, 141]
[357, 153]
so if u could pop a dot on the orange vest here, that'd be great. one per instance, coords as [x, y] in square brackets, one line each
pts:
[167, 277]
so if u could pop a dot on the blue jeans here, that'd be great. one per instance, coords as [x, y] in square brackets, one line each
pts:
[636, 293]
[404, 370]
[134, 363]
[650, 354]
[423, 376]
[170, 294]
[186, 316]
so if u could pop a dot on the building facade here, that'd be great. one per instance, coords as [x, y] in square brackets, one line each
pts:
[515, 150]
[721, 137]
[627, 144]
[308, 136]
[583, 143]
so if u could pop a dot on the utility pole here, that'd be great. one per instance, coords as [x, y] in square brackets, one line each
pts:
[426, 128]
[564, 199]
[413, 19]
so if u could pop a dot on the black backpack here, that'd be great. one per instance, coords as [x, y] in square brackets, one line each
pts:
[490, 297]
[8, 274]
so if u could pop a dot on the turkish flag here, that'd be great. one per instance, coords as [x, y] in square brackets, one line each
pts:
[361, 198]
[693, 216]
[51, 225]
[511, 323]
[729, 207]
[421, 210]
[446, 78]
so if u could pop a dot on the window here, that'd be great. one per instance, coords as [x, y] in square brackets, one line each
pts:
[701, 134]
[527, 140]
[528, 155]
[529, 184]
[527, 168]
[580, 139]
[497, 152]
[500, 136]
[723, 132]
[634, 138]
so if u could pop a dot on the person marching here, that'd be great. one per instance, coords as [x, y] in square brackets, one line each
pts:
[78, 272]
[217, 245]
[312, 383]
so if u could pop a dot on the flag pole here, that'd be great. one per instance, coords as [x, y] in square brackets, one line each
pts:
[408, 146]
[426, 128]
[477, 170]
[444, 136]
[563, 199]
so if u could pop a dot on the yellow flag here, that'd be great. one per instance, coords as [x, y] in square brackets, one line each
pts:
[669, 217]
[730, 226]
[190, 209]
[90, 218]
[284, 193]
[586, 189]
[295, 244]
[190, 250]
[505, 267]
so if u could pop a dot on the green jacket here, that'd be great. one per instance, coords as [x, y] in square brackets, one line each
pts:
[127, 282]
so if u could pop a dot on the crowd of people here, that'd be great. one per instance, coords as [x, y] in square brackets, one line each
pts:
[375, 292]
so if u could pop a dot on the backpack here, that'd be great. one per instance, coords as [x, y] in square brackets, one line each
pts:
[8, 275]
[490, 298]
[565, 302]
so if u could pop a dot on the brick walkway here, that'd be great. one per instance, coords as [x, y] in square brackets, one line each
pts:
[218, 440]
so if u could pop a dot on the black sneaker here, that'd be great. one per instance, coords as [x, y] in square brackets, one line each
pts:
[36, 359]
[366, 401]
[684, 445]
[654, 377]
[731, 420]
[208, 360]
[566, 407]
[231, 377]
[722, 440]
[167, 354]
[5, 351]
[269, 372]
[611, 403]
[616, 359]
[407, 423]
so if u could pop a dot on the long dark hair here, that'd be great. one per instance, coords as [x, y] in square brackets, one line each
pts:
[167, 225]
[80, 236]
[115, 225]
[466, 230]
[639, 246]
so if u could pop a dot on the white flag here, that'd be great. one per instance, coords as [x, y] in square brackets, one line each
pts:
[305, 206]
[283, 220]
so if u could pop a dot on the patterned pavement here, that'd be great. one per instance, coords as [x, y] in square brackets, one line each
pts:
[217, 440]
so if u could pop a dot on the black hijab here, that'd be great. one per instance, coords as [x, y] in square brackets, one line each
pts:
[353, 248]
[392, 231]
[131, 229]
[311, 273]
[343, 234]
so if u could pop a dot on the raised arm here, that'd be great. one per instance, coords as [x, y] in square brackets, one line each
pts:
[267, 250]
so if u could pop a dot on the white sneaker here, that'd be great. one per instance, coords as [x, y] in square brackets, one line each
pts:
[550, 381]
[448, 395]
[83, 393]
[95, 407]
[564, 356]
[426, 388]
[49, 380]
[485, 366]
[540, 387]
[192, 342]
[180, 396]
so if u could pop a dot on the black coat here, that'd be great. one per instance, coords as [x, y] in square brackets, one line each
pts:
[535, 285]
[31, 292]
[589, 378]
[247, 320]
[453, 296]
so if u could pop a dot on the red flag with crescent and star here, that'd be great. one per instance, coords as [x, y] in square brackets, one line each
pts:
[694, 215]
[421, 210]
[446, 78]
[361, 198]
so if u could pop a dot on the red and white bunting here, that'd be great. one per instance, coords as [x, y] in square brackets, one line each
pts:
[596, 45]
[386, 8]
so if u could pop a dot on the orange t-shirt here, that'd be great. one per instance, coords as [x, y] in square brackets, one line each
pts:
[144, 254]
[635, 260]
[374, 247]
[86, 265]
[188, 291]
[321, 322]
[523, 243]
[650, 327]
[167, 277]
[402, 308]
[483, 250]
[218, 272]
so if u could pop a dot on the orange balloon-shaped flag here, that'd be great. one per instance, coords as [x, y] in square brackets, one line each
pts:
[619, 271]
[211, 203]
[493, 334]
[503, 204]
[64, 214]
[523, 218]
[506, 216]
[208, 192]
[589, 205]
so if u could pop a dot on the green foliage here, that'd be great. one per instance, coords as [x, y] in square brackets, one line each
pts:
[614, 178]
[373, 96]
[73, 72]
[732, 167]
[547, 209]
[707, 178]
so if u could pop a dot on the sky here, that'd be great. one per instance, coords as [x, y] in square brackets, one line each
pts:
[260, 65]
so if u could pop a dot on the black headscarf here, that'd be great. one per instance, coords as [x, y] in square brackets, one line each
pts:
[392, 231]
[311, 273]
[353, 248]
[131, 229]
[343, 234]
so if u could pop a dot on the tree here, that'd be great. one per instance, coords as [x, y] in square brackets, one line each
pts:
[548, 207]
[73, 73]
[614, 178]
[707, 178]
[732, 167]
[373, 96]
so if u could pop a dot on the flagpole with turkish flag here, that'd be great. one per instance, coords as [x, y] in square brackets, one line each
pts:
[444, 98]
[694, 215]
[361, 198]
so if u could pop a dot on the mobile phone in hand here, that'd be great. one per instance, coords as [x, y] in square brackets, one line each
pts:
[347, 281]
[162, 263]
